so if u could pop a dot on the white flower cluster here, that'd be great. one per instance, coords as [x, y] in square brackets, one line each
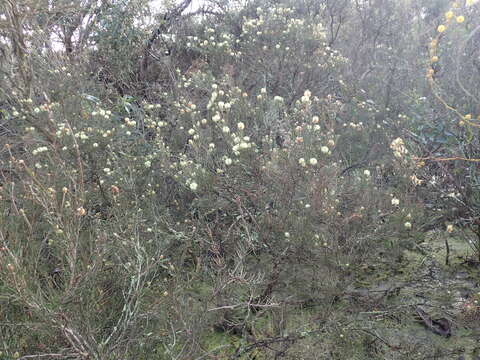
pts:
[306, 97]
[152, 106]
[129, 122]
[104, 113]
[39, 150]
[62, 130]
[241, 143]
[313, 161]
[325, 150]
[319, 31]
[81, 135]
[398, 147]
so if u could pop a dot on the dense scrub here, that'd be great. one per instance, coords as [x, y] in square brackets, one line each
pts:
[217, 183]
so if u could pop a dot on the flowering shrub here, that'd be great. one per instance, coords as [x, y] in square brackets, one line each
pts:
[158, 198]
[450, 148]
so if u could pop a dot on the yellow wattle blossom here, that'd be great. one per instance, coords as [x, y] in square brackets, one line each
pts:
[449, 15]
[441, 28]
[434, 59]
[460, 19]
[420, 164]
[471, 2]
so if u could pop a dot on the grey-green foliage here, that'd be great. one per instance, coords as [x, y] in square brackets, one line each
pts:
[142, 219]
